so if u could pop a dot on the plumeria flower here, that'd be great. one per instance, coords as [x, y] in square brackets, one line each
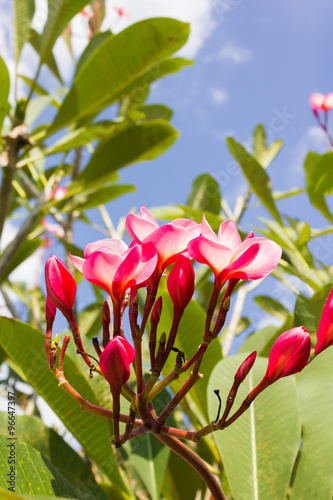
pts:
[170, 240]
[53, 228]
[325, 328]
[121, 11]
[58, 193]
[229, 257]
[113, 266]
[321, 102]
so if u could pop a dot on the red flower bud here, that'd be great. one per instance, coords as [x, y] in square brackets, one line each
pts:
[156, 312]
[60, 286]
[106, 314]
[115, 362]
[289, 355]
[181, 285]
[325, 328]
[50, 312]
[245, 367]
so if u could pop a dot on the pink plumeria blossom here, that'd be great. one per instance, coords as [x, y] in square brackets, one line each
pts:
[60, 286]
[59, 193]
[87, 12]
[170, 240]
[114, 267]
[321, 102]
[121, 11]
[289, 355]
[53, 228]
[229, 257]
[325, 328]
[181, 285]
[115, 362]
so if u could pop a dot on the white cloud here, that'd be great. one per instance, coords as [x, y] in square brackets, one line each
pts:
[232, 52]
[218, 95]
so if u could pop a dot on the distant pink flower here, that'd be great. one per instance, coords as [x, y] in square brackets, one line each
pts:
[87, 12]
[60, 286]
[115, 362]
[113, 266]
[53, 228]
[325, 328]
[229, 257]
[181, 285]
[58, 193]
[121, 11]
[289, 355]
[170, 240]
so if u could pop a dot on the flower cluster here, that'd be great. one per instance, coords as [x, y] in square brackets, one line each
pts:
[121, 270]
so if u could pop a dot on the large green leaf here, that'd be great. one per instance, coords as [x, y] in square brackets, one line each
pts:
[205, 194]
[25, 347]
[8, 495]
[255, 175]
[319, 180]
[4, 91]
[34, 474]
[308, 310]
[138, 50]
[33, 432]
[181, 481]
[93, 44]
[94, 197]
[60, 12]
[272, 306]
[314, 471]
[263, 154]
[35, 40]
[23, 14]
[140, 142]
[259, 449]
[149, 457]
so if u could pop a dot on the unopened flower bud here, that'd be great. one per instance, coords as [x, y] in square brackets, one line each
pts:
[60, 286]
[106, 313]
[156, 312]
[245, 367]
[181, 285]
[115, 362]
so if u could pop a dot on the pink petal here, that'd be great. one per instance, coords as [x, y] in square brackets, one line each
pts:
[77, 262]
[266, 260]
[212, 253]
[141, 226]
[238, 268]
[60, 285]
[317, 101]
[228, 235]
[135, 269]
[207, 230]
[100, 268]
[325, 328]
[328, 102]
[115, 362]
[117, 246]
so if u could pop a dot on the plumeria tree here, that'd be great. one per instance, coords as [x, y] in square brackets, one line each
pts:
[142, 376]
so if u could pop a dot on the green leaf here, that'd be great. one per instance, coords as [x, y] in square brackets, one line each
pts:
[93, 45]
[41, 91]
[314, 471]
[205, 195]
[259, 449]
[259, 340]
[319, 180]
[181, 481]
[308, 310]
[36, 107]
[156, 112]
[90, 320]
[272, 306]
[92, 198]
[24, 345]
[255, 175]
[60, 12]
[140, 142]
[4, 91]
[35, 433]
[153, 40]
[149, 457]
[264, 155]
[6, 495]
[36, 42]
[34, 474]
[23, 13]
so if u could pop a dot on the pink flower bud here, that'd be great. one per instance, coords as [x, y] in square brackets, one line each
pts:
[115, 362]
[106, 318]
[289, 355]
[156, 312]
[245, 367]
[60, 286]
[50, 312]
[325, 328]
[181, 285]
